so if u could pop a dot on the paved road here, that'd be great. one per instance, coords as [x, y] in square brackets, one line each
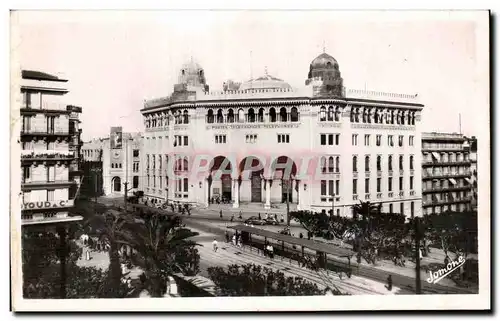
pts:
[404, 282]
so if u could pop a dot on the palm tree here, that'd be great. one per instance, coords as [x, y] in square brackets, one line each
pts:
[160, 245]
[111, 228]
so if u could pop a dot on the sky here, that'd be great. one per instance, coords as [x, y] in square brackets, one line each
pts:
[114, 60]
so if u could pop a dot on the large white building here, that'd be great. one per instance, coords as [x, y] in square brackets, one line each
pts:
[50, 173]
[264, 136]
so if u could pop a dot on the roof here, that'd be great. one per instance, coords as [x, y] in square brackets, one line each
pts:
[265, 82]
[310, 244]
[38, 75]
[322, 60]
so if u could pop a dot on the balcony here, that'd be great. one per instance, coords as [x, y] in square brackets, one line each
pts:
[43, 205]
[448, 201]
[379, 173]
[390, 172]
[354, 174]
[367, 174]
[46, 155]
[54, 133]
[46, 108]
[436, 163]
[36, 185]
[447, 188]
[445, 175]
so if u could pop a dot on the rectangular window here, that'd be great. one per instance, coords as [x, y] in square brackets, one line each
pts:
[283, 138]
[400, 183]
[147, 162]
[154, 162]
[186, 141]
[135, 153]
[354, 139]
[50, 195]
[154, 181]
[330, 188]
[337, 139]
[51, 124]
[355, 186]
[412, 209]
[367, 140]
[135, 182]
[367, 185]
[323, 187]
[379, 140]
[323, 139]
[389, 184]
[390, 208]
[402, 208]
[330, 139]
[26, 123]
[390, 142]
[411, 182]
[410, 140]
[337, 187]
[220, 139]
[379, 184]
[400, 140]
[186, 185]
[51, 173]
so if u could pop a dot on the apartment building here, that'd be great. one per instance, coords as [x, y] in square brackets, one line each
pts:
[49, 139]
[446, 173]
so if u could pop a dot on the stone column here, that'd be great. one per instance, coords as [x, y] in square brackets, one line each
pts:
[206, 192]
[236, 193]
[268, 193]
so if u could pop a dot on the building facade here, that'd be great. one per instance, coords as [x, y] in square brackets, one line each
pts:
[446, 173]
[472, 146]
[109, 165]
[49, 150]
[262, 142]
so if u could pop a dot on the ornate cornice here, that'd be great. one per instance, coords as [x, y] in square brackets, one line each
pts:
[381, 126]
[253, 126]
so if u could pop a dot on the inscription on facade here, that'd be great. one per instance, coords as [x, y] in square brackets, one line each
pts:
[252, 126]
[336, 125]
[388, 127]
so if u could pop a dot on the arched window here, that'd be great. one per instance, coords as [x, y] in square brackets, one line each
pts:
[401, 162]
[220, 116]
[365, 115]
[210, 116]
[353, 114]
[337, 165]
[354, 163]
[337, 113]
[283, 114]
[411, 161]
[408, 118]
[261, 115]
[178, 119]
[241, 115]
[230, 116]
[402, 118]
[322, 113]
[294, 114]
[185, 164]
[389, 162]
[357, 115]
[392, 116]
[186, 117]
[112, 165]
[367, 163]
[251, 115]
[379, 163]
[330, 164]
[330, 113]
[323, 164]
[272, 115]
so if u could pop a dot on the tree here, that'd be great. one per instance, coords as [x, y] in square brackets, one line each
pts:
[255, 280]
[161, 248]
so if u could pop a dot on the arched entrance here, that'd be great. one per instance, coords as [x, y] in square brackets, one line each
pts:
[284, 170]
[116, 184]
[251, 170]
[220, 180]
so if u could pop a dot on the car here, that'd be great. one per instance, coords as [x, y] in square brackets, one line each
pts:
[254, 220]
[272, 221]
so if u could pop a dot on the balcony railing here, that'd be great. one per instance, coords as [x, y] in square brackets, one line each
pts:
[441, 163]
[379, 195]
[446, 188]
[32, 132]
[448, 201]
[47, 155]
[445, 175]
[30, 183]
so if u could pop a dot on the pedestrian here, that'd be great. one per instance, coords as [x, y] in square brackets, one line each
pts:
[227, 236]
[240, 243]
[389, 283]
[240, 217]
[271, 252]
[282, 218]
[220, 214]
[276, 217]
[259, 216]
[232, 217]
[234, 239]
[215, 245]
[301, 235]
[87, 255]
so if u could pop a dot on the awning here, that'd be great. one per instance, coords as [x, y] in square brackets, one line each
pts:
[468, 180]
[436, 156]
[453, 181]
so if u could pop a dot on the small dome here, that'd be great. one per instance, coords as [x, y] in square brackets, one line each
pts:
[265, 82]
[192, 74]
[324, 61]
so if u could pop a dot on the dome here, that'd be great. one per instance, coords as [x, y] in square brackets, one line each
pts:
[265, 82]
[192, 74]
[324, 61]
